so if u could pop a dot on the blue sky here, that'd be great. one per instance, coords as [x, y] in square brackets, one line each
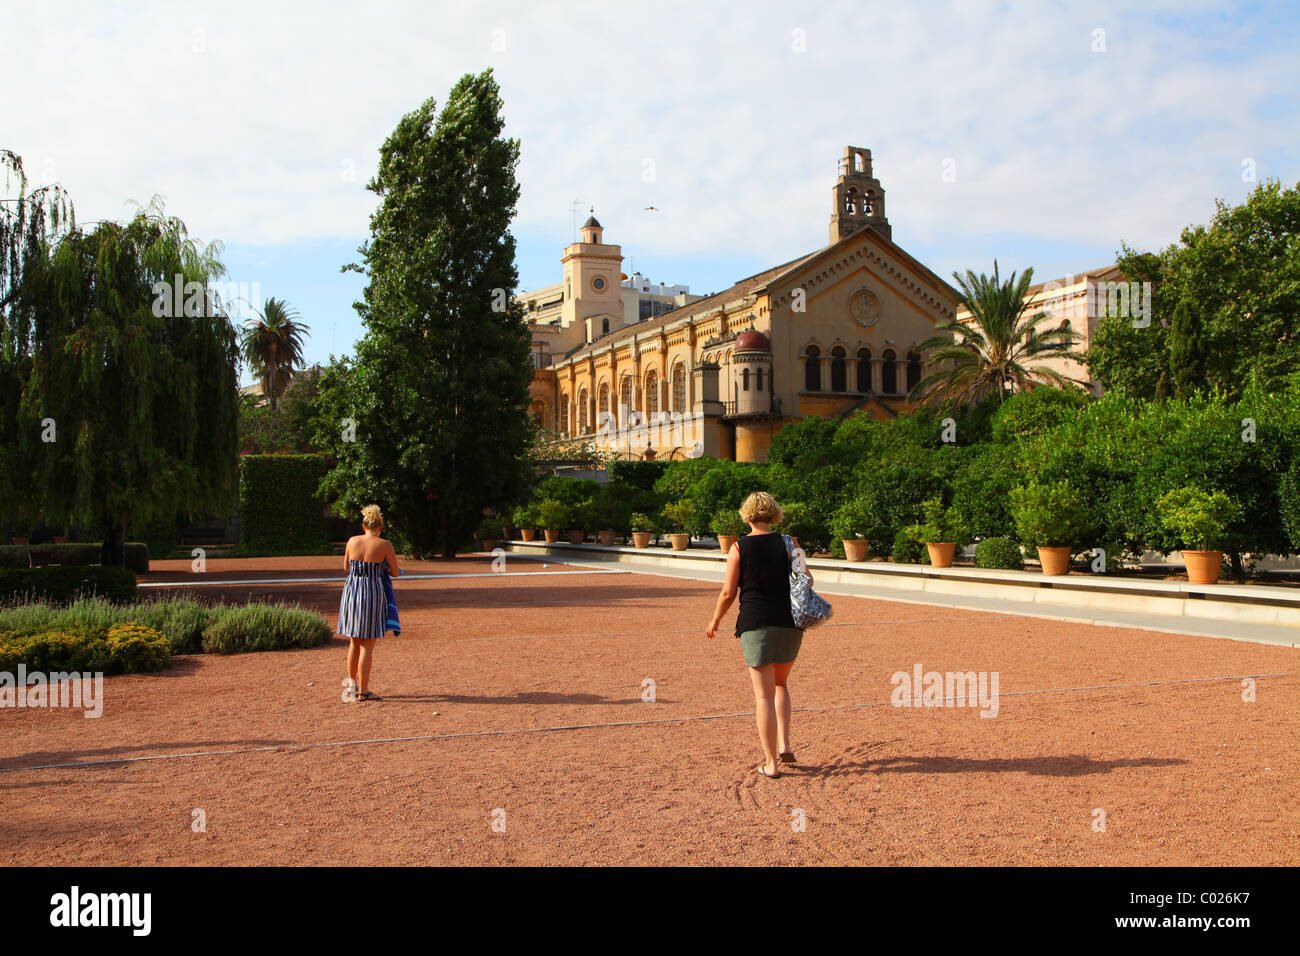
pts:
[260, 125]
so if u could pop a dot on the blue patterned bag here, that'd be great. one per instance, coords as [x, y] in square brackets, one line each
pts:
[807, 607]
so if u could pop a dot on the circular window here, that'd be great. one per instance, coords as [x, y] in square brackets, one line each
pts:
[598, 283]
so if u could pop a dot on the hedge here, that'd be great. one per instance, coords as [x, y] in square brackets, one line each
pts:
[60, 585]
[1002, 553]
[279, 508]
[70, 555]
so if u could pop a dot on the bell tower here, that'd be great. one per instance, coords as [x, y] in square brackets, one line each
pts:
[592, 282]
[859, 198]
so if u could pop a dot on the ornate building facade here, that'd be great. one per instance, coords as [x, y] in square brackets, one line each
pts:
[830, 332]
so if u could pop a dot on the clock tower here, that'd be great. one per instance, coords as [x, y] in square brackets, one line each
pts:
[593, 282]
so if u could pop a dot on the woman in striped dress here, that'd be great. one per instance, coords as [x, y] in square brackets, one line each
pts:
[363, 610]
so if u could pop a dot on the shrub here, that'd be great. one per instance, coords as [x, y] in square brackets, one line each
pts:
[526, 516]
[279, 508]
[641, 475]
[552, 515]
[137, 556]
[1026, 414]
[800, 522]
[1198, 520]
[939, 524]
[907, 550]
[728, 521]
[262, 627]
[1289, 502]
[643, 522]
[60, 585]
[678, 516]
[69, 555]
[853, 521]
[1001, 553]
[1049, 515]
[125, 648]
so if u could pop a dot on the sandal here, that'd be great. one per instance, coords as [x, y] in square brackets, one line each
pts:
[763, 771]
[368, 695]
[787, 757]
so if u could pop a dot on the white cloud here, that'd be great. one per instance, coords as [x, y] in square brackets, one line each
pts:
[247, 117]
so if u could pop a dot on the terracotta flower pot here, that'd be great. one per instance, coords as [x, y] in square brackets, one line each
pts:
[1203, 566]
[552, 535]
[1054, 560]
[489, 544]
[21, 540]
[577, 537]
[60, 539]
[855, 549]
[725, 541]
[606, 538]
[680, 541]
[940, 553]
[641, 539]
[528, 533]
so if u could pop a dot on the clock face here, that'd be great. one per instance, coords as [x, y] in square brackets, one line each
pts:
[598, 283]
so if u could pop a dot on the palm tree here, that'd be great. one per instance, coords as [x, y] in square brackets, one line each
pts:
[272, 346]
[1000, 349]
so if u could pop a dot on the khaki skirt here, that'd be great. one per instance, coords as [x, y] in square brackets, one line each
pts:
[771, 645]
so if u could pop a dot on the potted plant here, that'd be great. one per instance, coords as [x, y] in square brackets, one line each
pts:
[1198, 520]
[552, 515]
[850, 524]
[678, 515]
[729, 526]
[64, 537]
[642, 528]
[487, 534]
[941, 532]
[527, 520]
[1053, 519]
[581, 518]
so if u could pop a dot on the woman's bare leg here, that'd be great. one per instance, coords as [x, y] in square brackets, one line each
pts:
[354, 651]
[765, 713]
[780, 674]
[366, 658]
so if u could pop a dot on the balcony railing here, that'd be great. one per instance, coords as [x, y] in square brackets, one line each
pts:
[729, 409]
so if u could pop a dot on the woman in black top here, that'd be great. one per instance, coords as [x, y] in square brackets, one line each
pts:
[759, 569]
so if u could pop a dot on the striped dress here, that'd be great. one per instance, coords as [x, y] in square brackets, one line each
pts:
[363, 609]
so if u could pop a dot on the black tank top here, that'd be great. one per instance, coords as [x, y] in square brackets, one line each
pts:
[764, 583]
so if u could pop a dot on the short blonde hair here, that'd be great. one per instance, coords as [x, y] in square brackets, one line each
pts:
[761, 507]
[372, 517]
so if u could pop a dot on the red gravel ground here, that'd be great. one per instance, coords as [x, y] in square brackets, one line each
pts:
[1091, 720]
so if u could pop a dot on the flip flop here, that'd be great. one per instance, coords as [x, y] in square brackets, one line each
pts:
[368, 695]
[787, 757]
[763, 773]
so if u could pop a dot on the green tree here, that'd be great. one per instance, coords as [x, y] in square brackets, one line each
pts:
[128, 405]
[437, 397]
[1001, 349]
[1242, 272]
[272, 344]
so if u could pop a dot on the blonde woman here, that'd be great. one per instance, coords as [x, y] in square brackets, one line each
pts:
[363, 610]
[758, 568]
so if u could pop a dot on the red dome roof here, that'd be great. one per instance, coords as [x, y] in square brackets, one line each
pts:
[751, 340]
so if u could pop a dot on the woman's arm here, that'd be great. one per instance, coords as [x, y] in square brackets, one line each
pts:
[802, 560]
[730, 585]
[347, 554]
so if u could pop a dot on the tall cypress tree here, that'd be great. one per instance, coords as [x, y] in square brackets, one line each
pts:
[437, 395]
[1187, 343]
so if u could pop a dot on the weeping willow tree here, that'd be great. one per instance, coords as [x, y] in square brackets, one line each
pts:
[29, 222]
[127, 389]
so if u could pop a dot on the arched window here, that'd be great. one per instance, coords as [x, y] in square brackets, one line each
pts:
[839, 377]
[851, 202]
[679, 387]
[889, 373]
[744, 378]
[604, 326]
[564, 413]
[812, 373]
[603, 401]
[651, 392]
[582, 412]
[625, 397]
[864, 370]
[913, 370]
[760, 378]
